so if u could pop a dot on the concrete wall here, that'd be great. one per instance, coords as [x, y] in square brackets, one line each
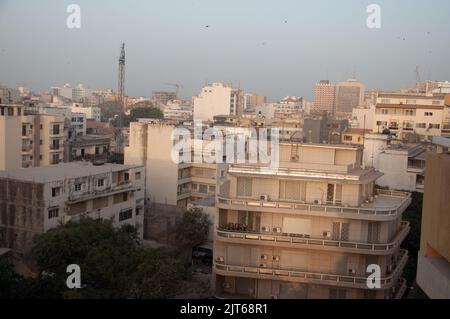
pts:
[10, 140]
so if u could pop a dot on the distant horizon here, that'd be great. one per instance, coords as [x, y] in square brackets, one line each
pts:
[271, 49]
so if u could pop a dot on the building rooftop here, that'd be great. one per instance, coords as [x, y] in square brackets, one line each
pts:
[45, 174]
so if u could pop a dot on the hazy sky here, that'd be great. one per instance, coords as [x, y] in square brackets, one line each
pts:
[275, 48]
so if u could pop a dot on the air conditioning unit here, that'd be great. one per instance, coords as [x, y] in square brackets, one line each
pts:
[264, 257]
[277, 230]
[227, 285]
[220, 259]
[327, 234]
[318, 202]
[264, 198]
[274, 297]
[67, 209]
[266, 229]
[263, 265]
[276, 258]
[352, 271]
[294, 158]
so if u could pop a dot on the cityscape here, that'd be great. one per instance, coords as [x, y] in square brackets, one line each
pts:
[132, 174]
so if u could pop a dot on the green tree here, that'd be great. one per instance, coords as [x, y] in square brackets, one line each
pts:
[112, 263]
[145, 112]
[193, 228]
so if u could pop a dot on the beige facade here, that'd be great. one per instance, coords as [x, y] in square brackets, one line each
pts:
[167, 181]
[10, 143]
[308, 229]
[412, 116]
[324, 97]
[37, 199]
[433, 270]
[43, 140]
[349, 95]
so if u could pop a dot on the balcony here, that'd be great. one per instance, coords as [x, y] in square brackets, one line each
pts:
[291, 241]
[109, 191]
[290, 275]
[386, 206]
[27, 148]
[56, 148]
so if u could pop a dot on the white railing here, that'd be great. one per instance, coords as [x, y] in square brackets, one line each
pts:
[315, 242]
[317, 209]
[313, 277]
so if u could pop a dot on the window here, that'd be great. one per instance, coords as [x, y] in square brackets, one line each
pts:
[421, 125]
[409, 112]
[436, 102]
[101, 182]
[384, 111]
[55, 129]
[244, 186]
[381, 123]
[428, 113]
[194, 186]
[77, 187]
[53, 213]
[293, 190]
[127, 214]
[348, 138]
[137, 176]
[55, 159]
[212, 188]
[434, 126]
[56, 191]
[127, 176]
[203, 189]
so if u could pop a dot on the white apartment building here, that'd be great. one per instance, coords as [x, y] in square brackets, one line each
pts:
[92, 113]
[308, 229]
[167, 181]
[72, 93]
[35, 200]
[177, 111]
[218, 99]
[412, 116]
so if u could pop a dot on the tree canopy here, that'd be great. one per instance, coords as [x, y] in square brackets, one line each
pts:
[193, 228]
[112, 263]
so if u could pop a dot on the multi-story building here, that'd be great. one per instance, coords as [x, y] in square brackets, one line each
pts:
[34, 200]
[354, 136]
[92, 113]
[151, 145]
[414, 117]
[10, 140]
[161, 98]
[253, 100]
[72, 93]
[9, 95]
[218, 99]
[324, 97]
[309, 228]
[323, 130]
[43, 139]
[433, 269]
[349, 95]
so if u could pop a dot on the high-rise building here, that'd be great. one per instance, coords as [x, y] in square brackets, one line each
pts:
[433, 269]
[349, 95]
[161, 98]
[309, 228]
[218, 99]
[324, 97]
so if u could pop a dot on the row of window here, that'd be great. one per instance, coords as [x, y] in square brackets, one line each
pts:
[395, 125]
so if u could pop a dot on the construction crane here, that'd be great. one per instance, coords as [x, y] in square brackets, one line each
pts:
[121, 100]
[178, 86]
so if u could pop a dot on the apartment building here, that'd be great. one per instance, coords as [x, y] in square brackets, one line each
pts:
[433, 269]
[308, 229]
[91, 113]
[34, 200]
[10, 141]
[416, 117]
[218, 99]
[167, 181]
[354, 136]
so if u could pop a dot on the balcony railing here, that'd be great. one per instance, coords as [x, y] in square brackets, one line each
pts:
[55, 147]
[316, 209]
[312, 277]
[27, 148]
[314, 243]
